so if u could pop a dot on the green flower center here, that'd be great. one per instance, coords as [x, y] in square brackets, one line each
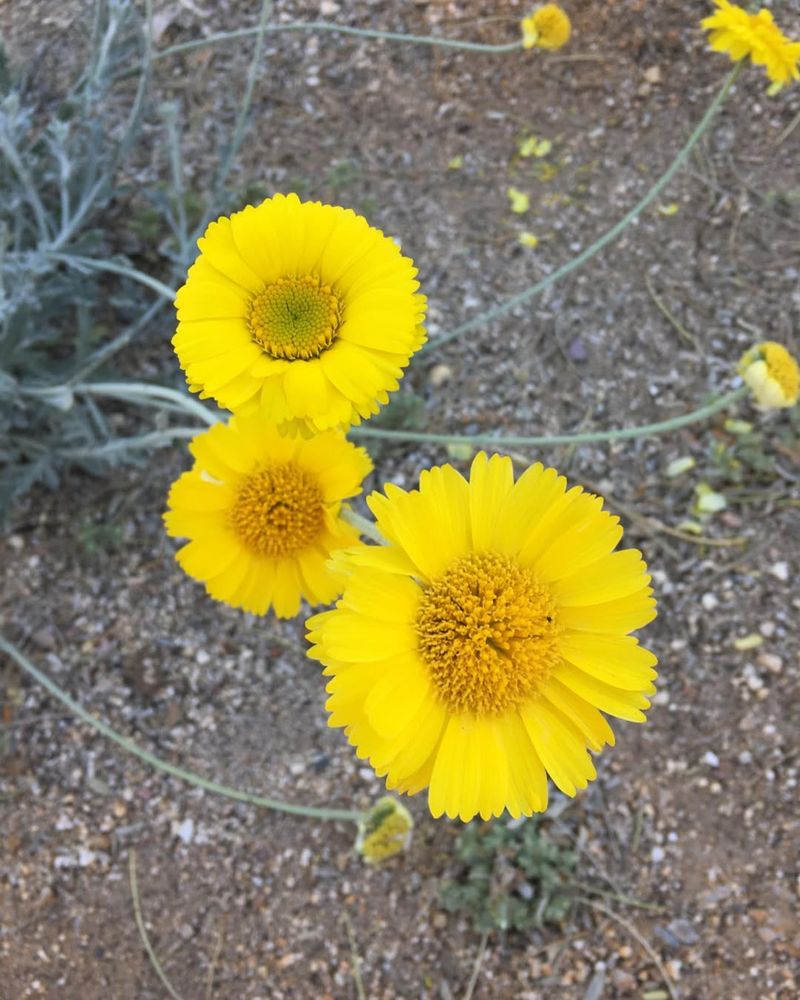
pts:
[294, 317]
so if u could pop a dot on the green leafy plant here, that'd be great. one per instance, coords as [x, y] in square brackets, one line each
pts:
[512, 876]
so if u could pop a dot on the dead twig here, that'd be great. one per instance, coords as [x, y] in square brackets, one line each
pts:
[665, 312]
[645, 944]
[354, 957]
[476, 969]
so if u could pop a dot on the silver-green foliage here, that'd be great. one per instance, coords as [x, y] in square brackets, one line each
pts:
[59, 322]
[511, 877]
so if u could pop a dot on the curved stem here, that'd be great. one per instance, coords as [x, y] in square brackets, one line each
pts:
[600, 243]
[362, 525]
[90, 264]
[155, 439]
[244, 107]
[339, 29]
[134, 391]
[589, 437]
[129, 392]
[315, 812]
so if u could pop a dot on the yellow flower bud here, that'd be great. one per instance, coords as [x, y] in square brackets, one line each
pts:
[548, 27]
[384, 830]
[772, 375]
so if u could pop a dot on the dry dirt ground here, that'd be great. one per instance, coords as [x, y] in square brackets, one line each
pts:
[693, 814]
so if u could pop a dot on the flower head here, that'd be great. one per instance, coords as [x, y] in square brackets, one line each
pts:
[262, 514]
[740, 34]
[299, 311]
[471, 653]
[772, 375]
[384, 830]
[548, 27]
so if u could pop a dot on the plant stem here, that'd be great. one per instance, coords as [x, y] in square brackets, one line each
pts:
[244, 107]
[88, 263]
[137, 913]
[340, 29]
[315, 812]
[135, 391]
[155, 439]
[600, 243]
[362, 525]
[545, 440]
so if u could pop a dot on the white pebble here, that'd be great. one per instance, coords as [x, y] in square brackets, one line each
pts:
[710, 758]
[780, 570]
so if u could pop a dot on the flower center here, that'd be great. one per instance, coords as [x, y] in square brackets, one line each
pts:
[488, 632]
[294, 317]
[278, 511]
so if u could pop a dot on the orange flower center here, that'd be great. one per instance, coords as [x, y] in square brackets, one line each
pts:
[294, 318]
[278, 510]
[488, 632]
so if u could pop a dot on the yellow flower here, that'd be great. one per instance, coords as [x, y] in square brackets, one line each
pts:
[262, 512]
[527, 239]
[740, 34]
[471, 653]
[547, 27]
[772, 375]
[299, 311]
[385, 830]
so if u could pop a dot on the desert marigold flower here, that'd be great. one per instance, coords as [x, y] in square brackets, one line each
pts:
[262, 512]
[299, 311]
[772, 375]
[548, 27]
[471, 654]
[740, 34]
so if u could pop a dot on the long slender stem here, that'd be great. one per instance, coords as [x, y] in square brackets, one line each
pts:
[315, 812]
[600, 243]
[363, 526]
[137, 913]
[339, 29]
[244, 107]
[134, 391]
[545, 440]
[155, 439]
[91, 264]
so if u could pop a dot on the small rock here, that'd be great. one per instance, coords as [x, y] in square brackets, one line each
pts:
[652, 74]
[185, 831]
[657, 855]
[44, 638]
[771, 662]
[623, 981]
[709, 601]
[780, 570]
[439, 375]
[710, 758]
[683, 931]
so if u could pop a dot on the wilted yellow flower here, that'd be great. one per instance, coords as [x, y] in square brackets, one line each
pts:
[518, 201]
[548, 27]
[262, 512]
[384, 830]
[471, 653]
[299, 311]
[740, 34]
[772, 375]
